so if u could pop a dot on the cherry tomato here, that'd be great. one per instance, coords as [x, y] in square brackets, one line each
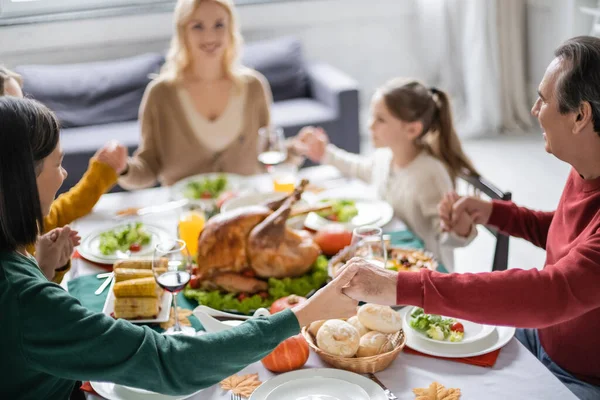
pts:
[195, 282]
[135, 247]
[263, 295]
[458, 327]
[242, 296]
[206, 195]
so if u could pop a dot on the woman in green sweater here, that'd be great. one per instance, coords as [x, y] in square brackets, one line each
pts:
[48, 340]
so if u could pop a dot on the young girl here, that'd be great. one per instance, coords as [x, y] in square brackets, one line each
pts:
[417, 161]
[101, 175]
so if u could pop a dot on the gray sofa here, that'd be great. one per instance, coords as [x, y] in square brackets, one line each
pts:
[99, 101]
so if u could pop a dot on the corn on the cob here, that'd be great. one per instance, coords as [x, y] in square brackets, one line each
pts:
[141, 287]
[140, 264]
[136, 307]
[124, 274]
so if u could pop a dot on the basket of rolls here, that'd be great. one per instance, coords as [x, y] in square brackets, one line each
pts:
[137, 295]
[366, 343]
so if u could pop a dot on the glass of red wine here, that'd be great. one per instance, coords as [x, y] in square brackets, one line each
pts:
[172, 268]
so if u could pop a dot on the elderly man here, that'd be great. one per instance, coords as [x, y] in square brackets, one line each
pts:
[559, 306]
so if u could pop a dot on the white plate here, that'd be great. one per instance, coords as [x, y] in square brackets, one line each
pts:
[112, 391]
[163, 314]
[370, 212]
[252, 199]
[496, 340]
[234, 182]
[473, 331]
[314, 381]
[90, 245]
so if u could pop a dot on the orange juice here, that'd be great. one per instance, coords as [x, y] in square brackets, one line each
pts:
[190, 226]
[284, 184]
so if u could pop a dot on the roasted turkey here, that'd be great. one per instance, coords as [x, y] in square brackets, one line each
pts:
[239, 248]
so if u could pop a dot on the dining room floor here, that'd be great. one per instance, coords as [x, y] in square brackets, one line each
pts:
[517, 163]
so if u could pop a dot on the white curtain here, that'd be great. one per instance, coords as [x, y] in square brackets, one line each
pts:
[475, 50]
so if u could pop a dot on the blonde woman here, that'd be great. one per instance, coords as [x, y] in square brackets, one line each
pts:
[417, 161]
[203, 112]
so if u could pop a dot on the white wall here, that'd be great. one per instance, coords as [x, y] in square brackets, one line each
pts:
[549, 23]
[370, 40]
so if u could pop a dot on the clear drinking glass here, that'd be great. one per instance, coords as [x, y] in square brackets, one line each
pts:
[272, 149]
[172, 269]
[369, 245]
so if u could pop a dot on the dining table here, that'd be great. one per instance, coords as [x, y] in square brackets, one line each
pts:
[516, 373]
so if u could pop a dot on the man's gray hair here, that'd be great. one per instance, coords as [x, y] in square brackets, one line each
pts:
[581, 80]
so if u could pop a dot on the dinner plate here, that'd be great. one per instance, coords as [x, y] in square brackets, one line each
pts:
[112, 391]
[234, 183]
[473, 331]
[319, 384]
[370, 212]
[253, 199]
[90, 245]
[494, 341]
[163, 314]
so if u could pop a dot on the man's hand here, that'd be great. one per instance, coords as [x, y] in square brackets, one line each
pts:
[113, 154]
[54, 249]
[369, 283]
[479, 210]
[329, 302]
[464, 224]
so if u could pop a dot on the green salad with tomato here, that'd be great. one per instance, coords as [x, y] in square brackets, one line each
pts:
[341, 211]
[437, 327]
[278, 288]
[126, 238]
[206, 188]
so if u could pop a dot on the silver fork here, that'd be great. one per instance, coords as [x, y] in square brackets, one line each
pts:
[235, 396]
[388, 392]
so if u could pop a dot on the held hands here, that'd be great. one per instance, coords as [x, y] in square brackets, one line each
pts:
[369, 283]
[459, 214]
[329, 302]
[114, 154]
[311, 143]
[54, 249]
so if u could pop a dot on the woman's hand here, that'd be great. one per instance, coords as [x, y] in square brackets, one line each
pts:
[113, 154]
[311, 142]
[329, 302]
[54, 249]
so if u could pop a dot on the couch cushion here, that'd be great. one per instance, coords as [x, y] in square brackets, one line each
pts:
[92, 93]
[300, 112]
[282, 63]
[88, 139]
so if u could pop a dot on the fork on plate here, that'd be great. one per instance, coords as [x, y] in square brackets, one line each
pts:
[235, 396]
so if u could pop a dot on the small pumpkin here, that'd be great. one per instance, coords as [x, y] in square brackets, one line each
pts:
[290, 301]
[291, 354]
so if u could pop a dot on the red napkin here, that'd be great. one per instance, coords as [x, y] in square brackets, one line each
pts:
[86, 387]
[484, 360]
[107, 267]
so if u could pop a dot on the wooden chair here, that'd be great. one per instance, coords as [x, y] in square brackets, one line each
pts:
[489, 189]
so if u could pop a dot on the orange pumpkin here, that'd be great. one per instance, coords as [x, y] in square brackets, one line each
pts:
[291, 354]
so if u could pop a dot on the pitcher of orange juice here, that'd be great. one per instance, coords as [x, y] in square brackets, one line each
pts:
[191, 224]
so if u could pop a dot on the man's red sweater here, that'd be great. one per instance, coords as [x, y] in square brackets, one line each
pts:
[562, 300]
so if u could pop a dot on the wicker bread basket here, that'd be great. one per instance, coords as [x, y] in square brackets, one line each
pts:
[362, 365]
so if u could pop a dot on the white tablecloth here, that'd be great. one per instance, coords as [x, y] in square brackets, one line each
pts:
[516, 375]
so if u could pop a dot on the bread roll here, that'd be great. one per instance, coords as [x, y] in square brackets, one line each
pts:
[374, 343]
[339, 338]
[360, 328]
[380, 318]
[315, 326]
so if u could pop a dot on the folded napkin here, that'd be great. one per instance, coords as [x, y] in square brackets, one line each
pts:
[484, 360]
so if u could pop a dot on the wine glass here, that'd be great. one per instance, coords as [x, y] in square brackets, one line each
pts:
[272, 149]
[369, 244]
[172, 267]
